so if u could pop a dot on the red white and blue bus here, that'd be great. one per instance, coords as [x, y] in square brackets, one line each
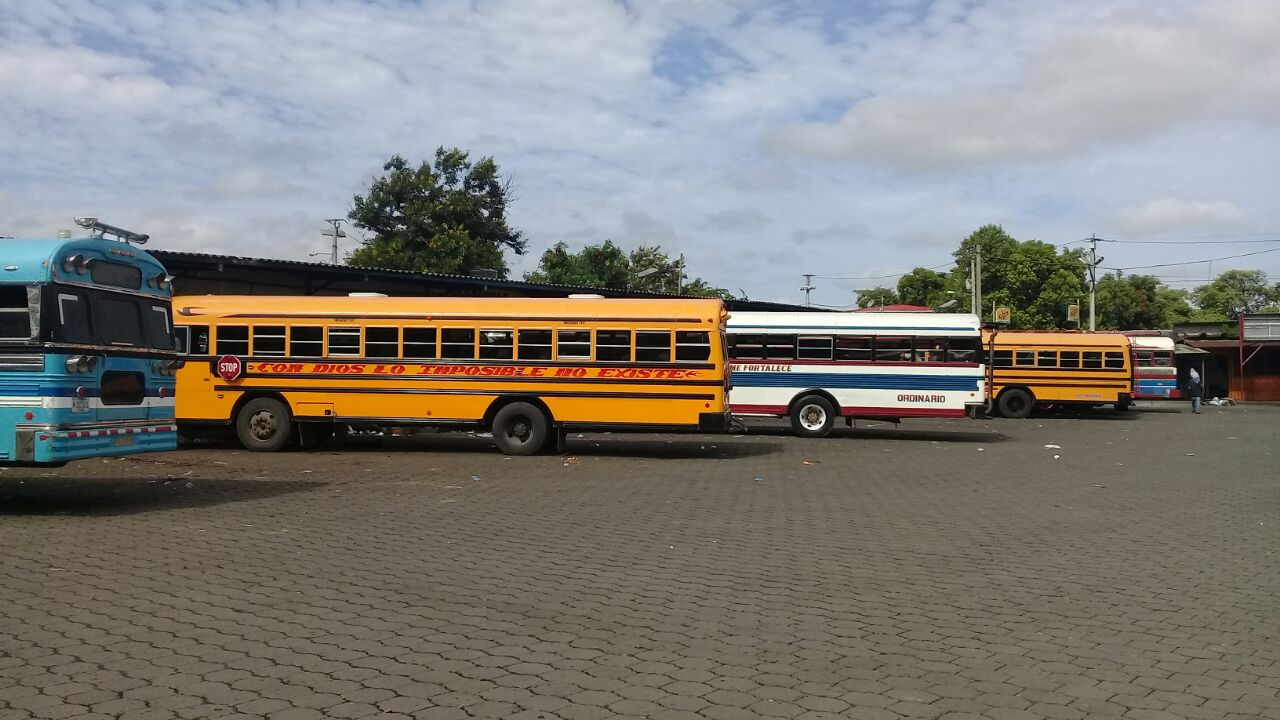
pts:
[87, 356]
[1155, 377]
[814, 367]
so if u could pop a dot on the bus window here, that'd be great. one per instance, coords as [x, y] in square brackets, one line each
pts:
[1144, 358]
[810, 347]
[1092, 360]
[893, 349]
[963, 350]
[344, 341]
[613, 345]
[118, 321]
[497, 344]
[1002, 358]
[420, 343]
[653, 346]
[693, 346]
[306, 341]
[535, 345]
[73, 317]
[573, 344]
[853, 348]
[1115, 360]
[159, 331]
[233, 340]
[458, 343]
[15, 317]
[268, 340]
[1046, 358]
[1163, 359]
[1024, 357]
[382, 342]
[746, 347]
[192, 339]
[780, 347]
[931, 349]
[1071, 359]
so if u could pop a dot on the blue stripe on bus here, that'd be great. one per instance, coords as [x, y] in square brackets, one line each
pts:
[1170, 383]
[862, 381]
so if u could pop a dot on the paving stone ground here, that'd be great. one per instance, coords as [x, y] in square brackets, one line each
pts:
[937, 570]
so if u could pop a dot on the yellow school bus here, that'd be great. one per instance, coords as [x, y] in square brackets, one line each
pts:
[527, 369]
[1030, 368]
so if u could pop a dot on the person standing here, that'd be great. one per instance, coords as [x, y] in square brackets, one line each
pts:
[1195, 390]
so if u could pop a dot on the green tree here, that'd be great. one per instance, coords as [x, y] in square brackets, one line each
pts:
[922, 286]
[607, 266]
[449, 216]
[1031, 277]
[1234, 292]
[877, 297]
[604, 266]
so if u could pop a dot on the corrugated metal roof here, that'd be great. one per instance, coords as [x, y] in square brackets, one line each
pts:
[176, 260]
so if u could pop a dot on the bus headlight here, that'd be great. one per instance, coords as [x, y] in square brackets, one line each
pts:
[81, 363]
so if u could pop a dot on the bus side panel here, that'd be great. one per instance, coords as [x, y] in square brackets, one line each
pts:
[888, 391]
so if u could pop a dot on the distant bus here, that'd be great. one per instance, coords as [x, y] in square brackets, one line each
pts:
[87, 357]
[1155, 377]
[528, 369]
[1037, 368]
[814, 367]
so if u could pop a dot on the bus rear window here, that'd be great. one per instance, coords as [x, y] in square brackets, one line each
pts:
[119, 321]
[15, 316]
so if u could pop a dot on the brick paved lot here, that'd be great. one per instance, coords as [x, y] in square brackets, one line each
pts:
[940, 570]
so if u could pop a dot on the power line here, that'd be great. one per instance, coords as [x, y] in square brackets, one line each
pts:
[948, 264]
[1188, 242]
[1195, 237]
[1197, 262]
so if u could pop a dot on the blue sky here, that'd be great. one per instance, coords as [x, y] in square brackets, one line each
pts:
[763, 140]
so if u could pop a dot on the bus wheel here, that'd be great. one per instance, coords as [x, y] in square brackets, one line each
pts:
[264, 425]
[812, 416]
[1123, 405]
[1016, 403]
[520, 429]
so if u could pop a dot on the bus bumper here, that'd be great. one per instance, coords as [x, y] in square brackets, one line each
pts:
[59, 444]
[976, 411]
[714, 422]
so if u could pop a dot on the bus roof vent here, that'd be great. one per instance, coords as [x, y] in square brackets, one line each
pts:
[586, 296]
[366, 294]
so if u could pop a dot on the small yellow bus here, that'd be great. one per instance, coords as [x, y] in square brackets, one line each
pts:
[527, 369]
[1030, 368]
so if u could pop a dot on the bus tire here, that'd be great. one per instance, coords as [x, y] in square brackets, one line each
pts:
[1123, 405]
[264, 425]
[520, 429]
[1016, 403]
[812, 416]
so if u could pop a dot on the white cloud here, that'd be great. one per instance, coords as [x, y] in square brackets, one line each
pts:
[1175, 215]
[1134, 75]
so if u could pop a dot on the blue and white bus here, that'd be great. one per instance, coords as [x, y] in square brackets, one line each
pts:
[814, 367]
[87, 356]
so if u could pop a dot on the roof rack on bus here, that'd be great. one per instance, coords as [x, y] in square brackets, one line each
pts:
[102, 230]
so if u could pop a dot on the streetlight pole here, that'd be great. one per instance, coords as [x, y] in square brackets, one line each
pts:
[1094, 261]
[807, 287]
[335, 232]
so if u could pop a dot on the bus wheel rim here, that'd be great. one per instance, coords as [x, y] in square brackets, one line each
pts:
[519, 430]
[262, 424]
[812, 417]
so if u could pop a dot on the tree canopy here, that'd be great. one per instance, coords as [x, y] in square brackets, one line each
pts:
[446, 216]
[1037, 281]
[606, 265]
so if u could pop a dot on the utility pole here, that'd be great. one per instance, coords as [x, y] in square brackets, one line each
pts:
[1094, 261]
[335, 232]
[807, 287]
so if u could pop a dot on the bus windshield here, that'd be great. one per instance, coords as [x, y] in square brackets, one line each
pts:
[82, 316]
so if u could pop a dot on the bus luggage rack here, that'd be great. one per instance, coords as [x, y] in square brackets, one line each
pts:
[102, 229]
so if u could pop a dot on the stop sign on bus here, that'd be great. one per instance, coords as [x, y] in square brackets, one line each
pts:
[229, 367]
